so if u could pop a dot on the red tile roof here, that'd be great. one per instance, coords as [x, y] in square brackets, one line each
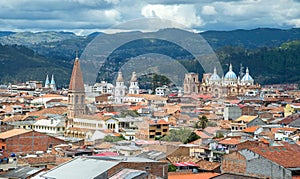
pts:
[283, 129]
[230, 141]
[251, 129]
[54, 110]
[287, 156]
[208, 166]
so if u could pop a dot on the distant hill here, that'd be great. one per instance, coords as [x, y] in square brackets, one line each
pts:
[6, 33]
[256, 38]
[19, 64]
[30, 38]
[273, 55]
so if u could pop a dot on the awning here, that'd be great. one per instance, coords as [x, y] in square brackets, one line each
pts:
[185, 164]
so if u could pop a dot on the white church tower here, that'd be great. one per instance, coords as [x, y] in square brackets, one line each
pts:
[134, 86]
[52, 83]
[120, 89]
[47, 82]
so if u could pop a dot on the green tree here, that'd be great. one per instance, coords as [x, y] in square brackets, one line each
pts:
[202, 122]
[110, 138]
[132, 113]
[180, 135]
[193, 136]
[172, 168]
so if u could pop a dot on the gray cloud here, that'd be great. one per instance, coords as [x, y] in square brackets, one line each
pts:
[89, 15]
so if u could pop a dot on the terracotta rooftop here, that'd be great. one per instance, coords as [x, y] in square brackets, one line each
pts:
[14, 118]
[55, 110]
[202, 134]
[208, 166]
[251, 129]
[76, 82]
[286, 156]
[12, 133]
[230, 141]
[283, 129]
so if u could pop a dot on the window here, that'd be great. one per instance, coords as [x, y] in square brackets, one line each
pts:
[82, 99]
[147, 168]
[76, 99]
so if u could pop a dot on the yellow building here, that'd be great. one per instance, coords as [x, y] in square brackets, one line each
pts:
[291, 109]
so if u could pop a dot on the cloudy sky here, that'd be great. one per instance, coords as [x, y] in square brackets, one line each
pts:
[85, 16]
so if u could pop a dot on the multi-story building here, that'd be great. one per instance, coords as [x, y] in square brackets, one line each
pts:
[150, 129]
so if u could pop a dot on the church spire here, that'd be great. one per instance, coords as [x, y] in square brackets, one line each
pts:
[76, 82]
[52, 83]
[47, 83]
[76, 93]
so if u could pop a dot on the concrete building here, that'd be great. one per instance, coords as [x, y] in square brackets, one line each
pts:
[244, 121]
[232, 112]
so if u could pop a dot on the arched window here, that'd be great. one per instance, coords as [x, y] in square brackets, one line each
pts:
[82, 99]
[76, 99]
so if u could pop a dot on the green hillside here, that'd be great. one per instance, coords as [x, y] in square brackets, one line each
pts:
[19, 64]
[273, 55]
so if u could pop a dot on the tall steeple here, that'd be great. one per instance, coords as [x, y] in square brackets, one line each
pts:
[76, 93]
[52, 83]
[134, 87]
[47, 83]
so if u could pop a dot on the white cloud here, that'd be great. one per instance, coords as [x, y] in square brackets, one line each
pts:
[100, 14]
[208, 10]
[182, 14]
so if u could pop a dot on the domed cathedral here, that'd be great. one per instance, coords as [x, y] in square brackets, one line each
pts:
[213, 84]
[76, 93]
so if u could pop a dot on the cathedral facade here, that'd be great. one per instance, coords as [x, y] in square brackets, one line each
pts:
[216, 86]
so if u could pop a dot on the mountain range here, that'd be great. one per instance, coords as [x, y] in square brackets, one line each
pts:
[273, 55]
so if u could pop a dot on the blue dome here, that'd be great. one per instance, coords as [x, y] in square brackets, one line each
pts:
[215, 76]
[247, 76]
[230, 74]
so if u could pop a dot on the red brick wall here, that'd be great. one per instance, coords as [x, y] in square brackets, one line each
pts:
[159, 169]
[30, 142]
[233, 163]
